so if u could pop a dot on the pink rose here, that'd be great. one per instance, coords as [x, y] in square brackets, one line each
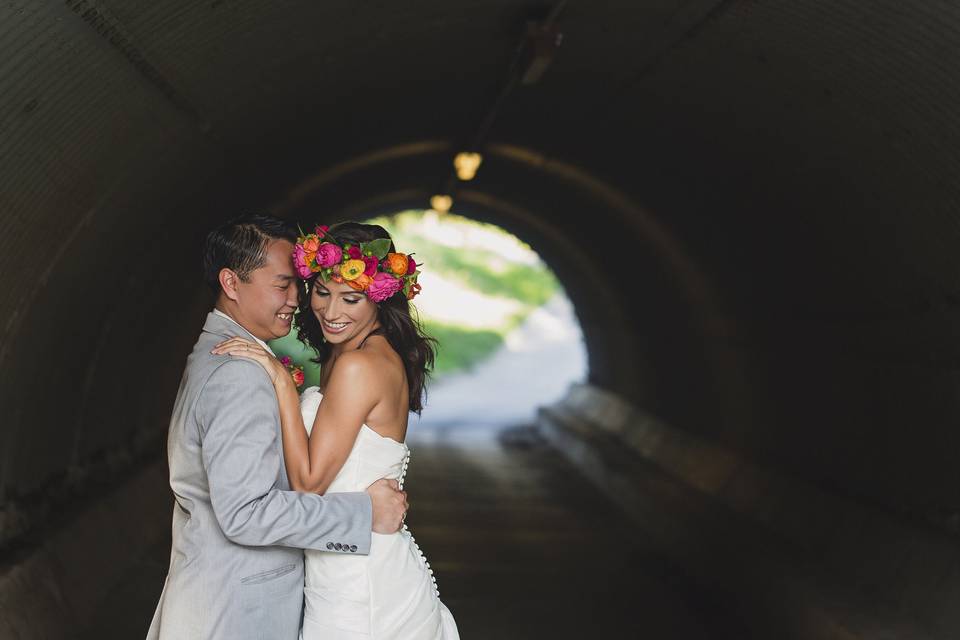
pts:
[411, 265]
[383, 287]
[371, 262]
[354, 253]
[328, 254]
[300, 262]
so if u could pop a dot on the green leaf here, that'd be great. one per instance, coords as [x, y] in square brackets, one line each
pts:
[379, 247]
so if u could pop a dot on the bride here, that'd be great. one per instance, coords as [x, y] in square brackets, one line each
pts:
[350, 431]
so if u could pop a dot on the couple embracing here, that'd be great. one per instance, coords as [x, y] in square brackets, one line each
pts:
[288, 513]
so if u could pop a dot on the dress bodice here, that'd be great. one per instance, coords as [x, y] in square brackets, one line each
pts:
[373, 456]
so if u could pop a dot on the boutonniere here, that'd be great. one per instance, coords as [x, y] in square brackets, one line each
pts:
[296, 372]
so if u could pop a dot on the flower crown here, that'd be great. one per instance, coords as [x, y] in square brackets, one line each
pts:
[370, 267]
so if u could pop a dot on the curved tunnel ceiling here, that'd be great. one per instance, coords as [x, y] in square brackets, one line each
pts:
[798, 159]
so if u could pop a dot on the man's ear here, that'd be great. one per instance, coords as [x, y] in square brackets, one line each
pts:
[229, 281]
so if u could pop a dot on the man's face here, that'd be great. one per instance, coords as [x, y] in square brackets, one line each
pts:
[265, 303]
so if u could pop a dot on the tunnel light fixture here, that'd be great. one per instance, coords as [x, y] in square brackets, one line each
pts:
[441, 203]
[466, 163]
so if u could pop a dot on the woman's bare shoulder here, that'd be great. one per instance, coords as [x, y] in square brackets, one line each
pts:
[360, 364]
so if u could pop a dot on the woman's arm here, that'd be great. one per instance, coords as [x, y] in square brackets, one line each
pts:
[350, 396]
[312, 463]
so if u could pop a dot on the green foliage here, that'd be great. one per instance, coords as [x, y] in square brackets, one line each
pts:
[461, 347]
[379, 247]
[484, 271]
[477, 268]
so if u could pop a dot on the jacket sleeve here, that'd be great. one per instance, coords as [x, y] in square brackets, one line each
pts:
[241, 449]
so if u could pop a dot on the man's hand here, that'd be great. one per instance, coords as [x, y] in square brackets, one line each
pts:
[389, 506]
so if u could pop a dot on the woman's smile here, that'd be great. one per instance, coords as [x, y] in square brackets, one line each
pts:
[334, 327]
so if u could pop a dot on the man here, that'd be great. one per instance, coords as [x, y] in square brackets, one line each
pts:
[236, 563]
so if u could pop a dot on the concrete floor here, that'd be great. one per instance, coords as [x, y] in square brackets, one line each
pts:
[522, 547]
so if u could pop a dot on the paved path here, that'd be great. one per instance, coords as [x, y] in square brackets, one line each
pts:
[524, 548]
[535, 366]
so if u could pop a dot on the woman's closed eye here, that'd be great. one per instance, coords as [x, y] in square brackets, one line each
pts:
[324, 294]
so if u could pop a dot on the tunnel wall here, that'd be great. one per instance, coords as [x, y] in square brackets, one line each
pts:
[801, 155]
[789, 559]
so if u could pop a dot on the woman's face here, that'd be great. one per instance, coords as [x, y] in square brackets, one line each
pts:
[342, 311]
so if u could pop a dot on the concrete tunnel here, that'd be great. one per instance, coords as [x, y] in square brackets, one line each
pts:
[751, 205]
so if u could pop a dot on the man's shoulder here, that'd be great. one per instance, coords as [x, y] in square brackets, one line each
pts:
[204, 366]
[233, 385]
[237, 371]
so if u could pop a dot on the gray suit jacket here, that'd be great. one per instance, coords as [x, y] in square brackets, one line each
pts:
[236, 563]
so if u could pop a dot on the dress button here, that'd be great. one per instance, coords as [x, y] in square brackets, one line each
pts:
[330, 546]
[353, 548]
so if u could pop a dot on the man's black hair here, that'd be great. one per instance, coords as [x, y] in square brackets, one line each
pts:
[240, 245]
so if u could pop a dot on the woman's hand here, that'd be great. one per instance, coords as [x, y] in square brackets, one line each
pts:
[243, 348]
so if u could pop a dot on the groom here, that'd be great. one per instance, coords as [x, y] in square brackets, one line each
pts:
[236, 563]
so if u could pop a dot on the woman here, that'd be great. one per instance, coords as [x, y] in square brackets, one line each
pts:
[350, 431]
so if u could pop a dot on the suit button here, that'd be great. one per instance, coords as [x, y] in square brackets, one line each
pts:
[330, 546]
[353, 548]
[338, 546]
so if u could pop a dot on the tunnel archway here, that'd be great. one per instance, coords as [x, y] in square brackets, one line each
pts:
[808, 172]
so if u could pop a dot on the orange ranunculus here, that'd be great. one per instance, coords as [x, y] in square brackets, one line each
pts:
[396, 263]
[352, 269]
[311, 244]
[311, 260]
[361, 282]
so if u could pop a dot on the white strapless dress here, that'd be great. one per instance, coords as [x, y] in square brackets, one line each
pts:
[390, 594]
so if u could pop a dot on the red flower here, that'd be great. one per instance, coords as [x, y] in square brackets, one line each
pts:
[411, 265]
[354, 253]
[321, 230]
[298, 377]
[371, 262]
